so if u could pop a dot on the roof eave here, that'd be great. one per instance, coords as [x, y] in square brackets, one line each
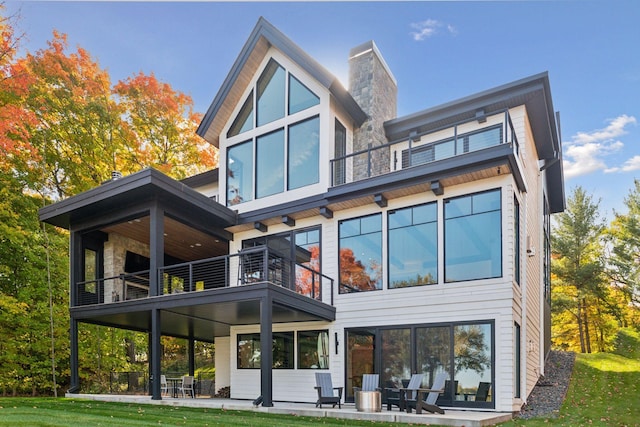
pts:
[277, 39]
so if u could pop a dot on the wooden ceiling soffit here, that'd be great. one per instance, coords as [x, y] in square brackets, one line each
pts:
[234, 97]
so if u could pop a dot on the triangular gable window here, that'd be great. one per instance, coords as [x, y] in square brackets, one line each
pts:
[244, 120]
[300, 97]
[271, 87]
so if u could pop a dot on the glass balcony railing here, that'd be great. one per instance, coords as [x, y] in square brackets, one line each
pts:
[455, 140]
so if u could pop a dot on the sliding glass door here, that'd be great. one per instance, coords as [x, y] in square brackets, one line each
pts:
[464, 351]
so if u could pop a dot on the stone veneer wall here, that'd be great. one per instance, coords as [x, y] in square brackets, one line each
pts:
[115, 251]
[374, 88]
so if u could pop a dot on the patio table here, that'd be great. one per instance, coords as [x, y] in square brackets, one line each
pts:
[173, 384]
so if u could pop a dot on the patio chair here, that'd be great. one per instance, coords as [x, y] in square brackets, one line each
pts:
[369, 383]
[483, 392]
[448, 393]
[326, 390]
[428, 404]
[397, 396]
[187, 387]
[164, 387]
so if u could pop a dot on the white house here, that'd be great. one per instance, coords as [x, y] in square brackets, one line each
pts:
[335, 236]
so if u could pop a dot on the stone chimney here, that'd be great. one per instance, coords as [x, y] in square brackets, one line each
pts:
[374, 88]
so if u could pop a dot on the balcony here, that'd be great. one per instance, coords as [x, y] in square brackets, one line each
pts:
[251, 266]
[463, 139]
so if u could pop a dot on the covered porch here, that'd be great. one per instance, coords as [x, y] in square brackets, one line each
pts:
[150, 254]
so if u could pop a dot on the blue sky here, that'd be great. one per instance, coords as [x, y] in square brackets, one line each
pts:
[438, 52]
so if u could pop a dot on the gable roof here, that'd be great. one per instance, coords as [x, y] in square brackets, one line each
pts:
[263, 36]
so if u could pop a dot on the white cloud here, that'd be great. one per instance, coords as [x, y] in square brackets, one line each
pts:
[633, 164]
[428, 28]
[586, 151]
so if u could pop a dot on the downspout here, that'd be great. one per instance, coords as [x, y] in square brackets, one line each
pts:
[523, 321]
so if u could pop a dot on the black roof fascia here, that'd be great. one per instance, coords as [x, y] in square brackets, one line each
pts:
[131, 189]
[201, 179]
[276, 38]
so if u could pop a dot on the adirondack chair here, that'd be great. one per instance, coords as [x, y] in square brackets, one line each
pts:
[397, 396]
[483, 392]
[369, 383]
[419, 402]
[326, 390]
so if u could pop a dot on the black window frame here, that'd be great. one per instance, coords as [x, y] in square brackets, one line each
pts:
[413, 224]
[255, 339]
[444, 228]
[382, 273]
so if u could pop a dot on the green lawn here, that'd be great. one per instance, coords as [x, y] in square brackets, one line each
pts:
[40, 412]
[604, 391]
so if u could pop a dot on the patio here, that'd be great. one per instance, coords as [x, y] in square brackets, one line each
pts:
[348, 411]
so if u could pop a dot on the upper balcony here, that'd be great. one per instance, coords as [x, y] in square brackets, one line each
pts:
[463, 141]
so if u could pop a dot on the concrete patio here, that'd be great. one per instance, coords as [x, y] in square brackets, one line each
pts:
[348, 411]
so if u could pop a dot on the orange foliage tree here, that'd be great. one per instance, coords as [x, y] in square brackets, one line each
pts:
[162, 125]
[14, 84]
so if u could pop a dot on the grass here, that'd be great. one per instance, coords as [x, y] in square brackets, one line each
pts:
[604, 391]
[50, 412]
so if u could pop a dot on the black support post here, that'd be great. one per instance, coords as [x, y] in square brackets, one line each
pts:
[73, 357]
[266, 351]
[156, 249]
[156, 393]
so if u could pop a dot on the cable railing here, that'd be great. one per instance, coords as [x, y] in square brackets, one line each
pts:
[249, 266]
[450, 141]
[122, 287]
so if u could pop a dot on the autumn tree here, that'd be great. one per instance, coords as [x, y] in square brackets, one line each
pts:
[14, 84]
[161, 125]
[78, 130]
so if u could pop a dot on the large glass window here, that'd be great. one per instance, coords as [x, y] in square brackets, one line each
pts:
[433, 355]
[271, 87]
[244, 120]
[240, 173]
[307, 248]
[461, 144]
[313, 349]
[396, 356]
[249, 351]
[304, 152]
[472, 361]
[360, 254]
[413, 246]
[473, 237]
[270, 164]
[340, 147]
[274, 161]
[300, 97]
